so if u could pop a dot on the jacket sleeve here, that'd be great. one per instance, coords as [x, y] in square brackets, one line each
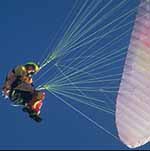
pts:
[19, 71]
[9, 80]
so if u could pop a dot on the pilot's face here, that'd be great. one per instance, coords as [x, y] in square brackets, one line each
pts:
[30, 71]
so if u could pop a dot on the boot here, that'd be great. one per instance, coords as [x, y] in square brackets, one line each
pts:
[34, 115]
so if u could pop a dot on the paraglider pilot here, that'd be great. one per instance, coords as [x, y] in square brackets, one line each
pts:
[19, 88]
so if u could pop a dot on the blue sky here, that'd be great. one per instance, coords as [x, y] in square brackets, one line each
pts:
[26, 27]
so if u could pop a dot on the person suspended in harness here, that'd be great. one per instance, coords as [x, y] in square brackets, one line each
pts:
[19, 88]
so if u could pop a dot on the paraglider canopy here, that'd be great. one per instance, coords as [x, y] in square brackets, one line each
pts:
[133, 101]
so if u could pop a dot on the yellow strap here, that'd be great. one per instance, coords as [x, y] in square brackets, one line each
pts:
[36, 103]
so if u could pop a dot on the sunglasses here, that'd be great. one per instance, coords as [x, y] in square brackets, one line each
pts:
[31, 73]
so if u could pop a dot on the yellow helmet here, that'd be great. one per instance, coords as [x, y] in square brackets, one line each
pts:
[34, 65]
